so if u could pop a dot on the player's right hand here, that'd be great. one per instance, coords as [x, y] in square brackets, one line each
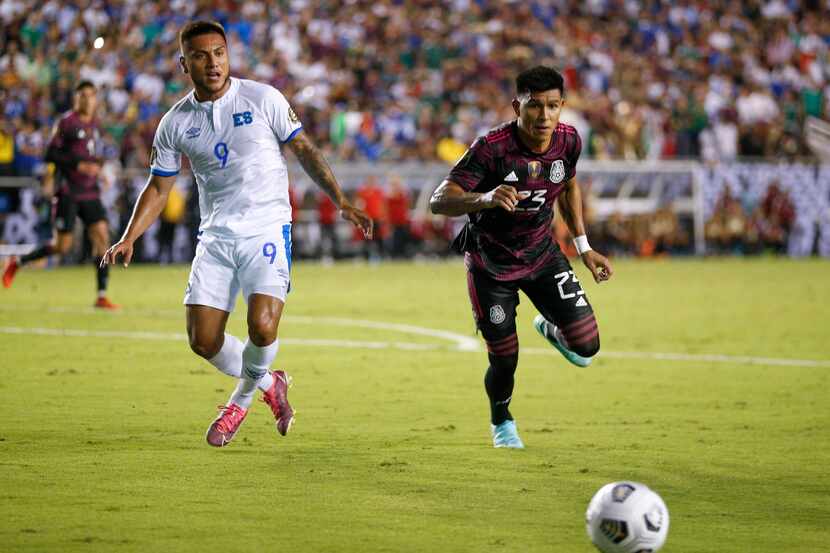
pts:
[503, 196]
[123, 248]
[358, 218]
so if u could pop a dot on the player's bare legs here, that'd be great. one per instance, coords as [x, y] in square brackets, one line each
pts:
[99, 236]
[264, 314]
[98, 233]
[61, 246]
[207, 338]
[249, 362]
[206, 331]
[63, 243]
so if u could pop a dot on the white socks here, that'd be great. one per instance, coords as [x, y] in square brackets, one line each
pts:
[230, 358]
[255, 364]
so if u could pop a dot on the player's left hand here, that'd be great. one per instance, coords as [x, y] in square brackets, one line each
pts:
[358, 218]
[123, 248]
[598, 264]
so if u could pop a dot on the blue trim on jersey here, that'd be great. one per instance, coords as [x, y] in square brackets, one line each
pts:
[290, 136]
[286, 239]
[163, 173]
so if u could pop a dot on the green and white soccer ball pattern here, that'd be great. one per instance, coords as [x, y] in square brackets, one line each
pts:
[627, 517]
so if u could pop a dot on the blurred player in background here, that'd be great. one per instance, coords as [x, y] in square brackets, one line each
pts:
[231, 130]
[73, 150]
[507, 183]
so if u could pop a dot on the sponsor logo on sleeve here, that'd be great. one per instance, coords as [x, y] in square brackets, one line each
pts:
[292, 115]
[153, 155]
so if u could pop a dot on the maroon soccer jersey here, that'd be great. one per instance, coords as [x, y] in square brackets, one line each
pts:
[74, 141]
[513, 245]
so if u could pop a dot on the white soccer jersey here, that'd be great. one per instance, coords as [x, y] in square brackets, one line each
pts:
[233, 144]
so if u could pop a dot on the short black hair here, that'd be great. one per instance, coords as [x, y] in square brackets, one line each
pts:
[539, 79]
[85, 84]
[200, 27]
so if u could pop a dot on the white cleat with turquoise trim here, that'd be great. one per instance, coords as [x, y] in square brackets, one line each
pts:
[548, 332]
[505, 435]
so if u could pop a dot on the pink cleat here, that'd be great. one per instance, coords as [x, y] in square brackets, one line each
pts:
[222, 430]
[277, 399]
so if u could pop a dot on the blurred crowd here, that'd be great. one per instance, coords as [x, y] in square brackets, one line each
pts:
[644, 234]
[741, 226]
[419, 79]
[400, 230]
[395, 80]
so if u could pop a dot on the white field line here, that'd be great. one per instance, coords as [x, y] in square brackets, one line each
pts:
[409, 346]
[181, 337]
[463, 343]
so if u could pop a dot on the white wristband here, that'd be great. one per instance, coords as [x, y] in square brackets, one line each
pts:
[581, 243]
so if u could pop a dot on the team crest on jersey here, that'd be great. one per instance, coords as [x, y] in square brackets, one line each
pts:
[193, 132]
[497, 315]
[534, 169]
[81, 133]
[292, 115]
[557, 171]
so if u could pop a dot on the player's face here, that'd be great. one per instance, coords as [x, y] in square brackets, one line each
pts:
[86, 100]
[538, 114]
[205, 59]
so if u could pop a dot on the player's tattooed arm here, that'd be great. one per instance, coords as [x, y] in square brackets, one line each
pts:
[452, 200]
[570, 207]
[316, 167]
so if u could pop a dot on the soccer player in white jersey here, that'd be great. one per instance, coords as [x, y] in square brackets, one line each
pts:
[231, 130]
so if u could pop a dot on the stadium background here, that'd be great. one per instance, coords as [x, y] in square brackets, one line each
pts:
[385, 86]
[711, 384]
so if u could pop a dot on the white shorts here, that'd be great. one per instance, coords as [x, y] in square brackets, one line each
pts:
[257, 264]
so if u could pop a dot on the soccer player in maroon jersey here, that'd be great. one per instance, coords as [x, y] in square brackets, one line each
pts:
[506, 184]
[72, 149]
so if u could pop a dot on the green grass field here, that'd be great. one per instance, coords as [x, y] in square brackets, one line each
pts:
[102, 447]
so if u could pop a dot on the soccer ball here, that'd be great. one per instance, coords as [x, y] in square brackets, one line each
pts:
[627, 517]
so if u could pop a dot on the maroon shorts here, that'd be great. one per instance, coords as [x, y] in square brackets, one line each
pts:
[554, 291]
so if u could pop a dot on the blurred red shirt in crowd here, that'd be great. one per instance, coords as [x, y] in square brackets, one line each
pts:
[326, 210]
[372, 198]
[397, 204]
